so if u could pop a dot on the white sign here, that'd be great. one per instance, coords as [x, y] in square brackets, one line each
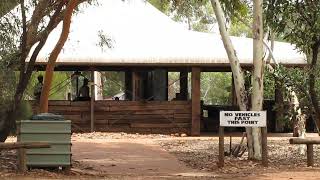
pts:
[243, 118]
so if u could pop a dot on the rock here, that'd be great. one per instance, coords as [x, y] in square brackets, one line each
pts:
[183, 135]
[176, 134]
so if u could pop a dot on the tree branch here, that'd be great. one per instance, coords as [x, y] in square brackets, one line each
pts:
[55, 19]
[23, 39]
[54, 55]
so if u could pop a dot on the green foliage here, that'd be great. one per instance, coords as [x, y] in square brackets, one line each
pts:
[236, 9]
[196, 13]
[8, 57]
[61, 85]
[7, 5]
[7, 88]
[24, 111]
[293, 80]
[297, 21]
[239, 29]
[162, 5]
[216, 88]
[269, 85]
[113, 83]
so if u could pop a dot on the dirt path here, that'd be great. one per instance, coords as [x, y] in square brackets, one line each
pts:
[129, 157]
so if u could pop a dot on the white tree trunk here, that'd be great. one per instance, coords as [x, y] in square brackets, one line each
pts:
[235, 67]
[298, 119]
[257, 78]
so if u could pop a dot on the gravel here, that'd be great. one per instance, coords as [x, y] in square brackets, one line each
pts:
[202, 154]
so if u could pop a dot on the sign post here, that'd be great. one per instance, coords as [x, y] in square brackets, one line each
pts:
[243, 119]
[221, 146]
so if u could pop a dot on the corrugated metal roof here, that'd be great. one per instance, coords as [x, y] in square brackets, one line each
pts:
[142, 35]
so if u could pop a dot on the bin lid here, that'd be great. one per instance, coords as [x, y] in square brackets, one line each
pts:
[47, 116]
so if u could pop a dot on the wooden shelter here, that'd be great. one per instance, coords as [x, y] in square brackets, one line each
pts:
[137, 39]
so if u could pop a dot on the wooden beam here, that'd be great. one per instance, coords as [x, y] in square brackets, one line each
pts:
[92, 101]
[29, 145]
[184, 85]
[195, 129]
[315, 140]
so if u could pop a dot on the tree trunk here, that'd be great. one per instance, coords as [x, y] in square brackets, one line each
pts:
[299, 120]
[257, 78]
[312, 81]
[235, 67]
[54, 55]
[279, 102]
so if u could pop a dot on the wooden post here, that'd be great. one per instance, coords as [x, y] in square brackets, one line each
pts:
[195, 129]
[264, 144]
[92, 102]
[128, 84]
[221, 147]
[135, 86]
[77, 86]
[310, 154]
[22, 165]
[184, 85]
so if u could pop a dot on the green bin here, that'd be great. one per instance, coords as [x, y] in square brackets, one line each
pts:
[55, 132]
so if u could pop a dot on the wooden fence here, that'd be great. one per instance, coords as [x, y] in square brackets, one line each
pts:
[127, 116]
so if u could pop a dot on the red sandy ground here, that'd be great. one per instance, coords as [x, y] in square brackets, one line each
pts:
[118, 156]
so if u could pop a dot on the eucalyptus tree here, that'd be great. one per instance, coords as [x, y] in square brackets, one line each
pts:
[226, 11]
[71, 5]
[298, 22]
[30, 25]
[253, 134]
